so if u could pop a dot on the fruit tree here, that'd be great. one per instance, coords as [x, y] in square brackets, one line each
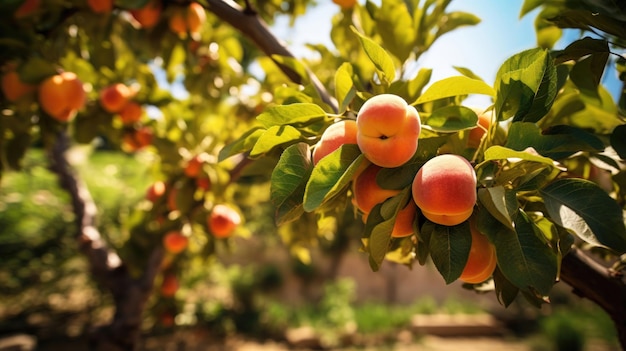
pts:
[512, 197]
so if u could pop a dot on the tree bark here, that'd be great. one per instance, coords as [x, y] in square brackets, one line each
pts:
[591, 280]
[107, 268]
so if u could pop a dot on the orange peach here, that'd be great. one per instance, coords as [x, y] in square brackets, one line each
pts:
[62, 95]
[155, 191]
[27, 8]
[114, 97]
[194, 166]
[14, 88]
[137, 139]
[445, 189]
[131, 113]
[223, 220]
[388, 130]
[337, 134]
[477, 133]
[175, 242]
[188, 19]
[404, 221]
[169, 285]
[100, 6]
[367, 192]
[482, 258]
[345, 4]
[149, 15]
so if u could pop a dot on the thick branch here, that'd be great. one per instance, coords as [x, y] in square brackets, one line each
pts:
[594, 281]
[253, 27]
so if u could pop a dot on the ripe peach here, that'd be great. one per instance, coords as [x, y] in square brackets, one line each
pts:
[477, 133]
[223, 220]
[137, 139]
[14, 88]
[100, 6]
[388, 130]
[175, 242]
[345, 4]
[445, 189]
[169, 285]
[194, 166]
[189, 19]
[367, 192]
[337, 134]
[27, 8]
[62, 95]
[155, 191]
[404, 221]
[149, 15]
[114, 97]
[131, 113]
[482, 258]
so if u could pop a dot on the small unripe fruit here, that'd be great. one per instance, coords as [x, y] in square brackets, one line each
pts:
[62, 95]
[445, 189]
[189, 19]
[477, 133]
[337, 134]
[223, 220]
[388, 130]
[169, 285]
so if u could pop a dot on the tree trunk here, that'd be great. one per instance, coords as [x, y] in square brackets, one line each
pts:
[107, 268]
[591, 280]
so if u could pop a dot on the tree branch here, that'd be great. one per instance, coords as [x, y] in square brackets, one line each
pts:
[253, 27]
[594, 281]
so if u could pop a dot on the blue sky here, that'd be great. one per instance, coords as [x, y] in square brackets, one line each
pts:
[481, 48]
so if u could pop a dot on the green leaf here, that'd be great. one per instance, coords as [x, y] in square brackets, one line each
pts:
[379, 237]
[273, 137]
[36, 70]
[417, 84]
[618, 140]
[584, 19]
[556, 142]
[500, 202]
[297, 113]
[295, 65]
[526, 85]
[452, 119]
[497, 152]
[455, 86]
[467, 72]
[449, 249]
[580, 48]
[505, 290]
[344, 85]
[456, 19]
[242, 144]
[393, 24]
[331, 175]
[530, 5]
[524, 257]
[288, 182]
[379, 57]
[587, 210]
[587, 74]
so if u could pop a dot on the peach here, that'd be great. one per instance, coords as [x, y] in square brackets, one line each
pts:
[169, 285]
[189, 19]
[149, 15]
[137, 139]
[62, 95]
[14, 88]
[337, 134]
[223, 220]
[404, 221]
[114, 97]
[477, 133]
[345, 4]
[194, 166]
[367, 192]
[444, 189]
[388, 130]
[100, 6]
[27, 8]
[155, 191]
[131, 113]
[482, 258]
[175, 242]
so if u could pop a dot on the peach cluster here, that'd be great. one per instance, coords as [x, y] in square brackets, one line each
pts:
[188, 19]
[117, 98]
[387, 131]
